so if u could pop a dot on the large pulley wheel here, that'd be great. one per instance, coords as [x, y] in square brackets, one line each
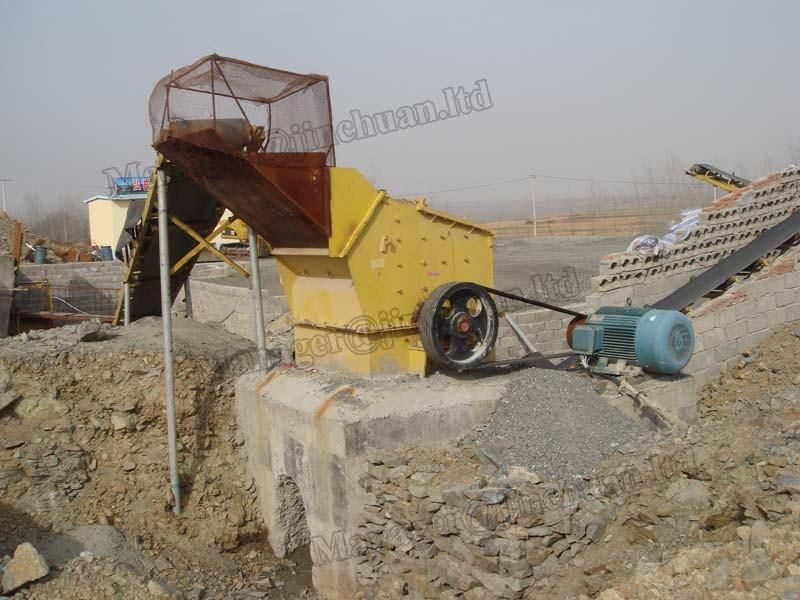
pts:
[458, 325]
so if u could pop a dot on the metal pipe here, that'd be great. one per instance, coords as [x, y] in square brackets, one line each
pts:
[187, 296]
[166, 321]
[127, 302]
[523, 339]
[258, 309]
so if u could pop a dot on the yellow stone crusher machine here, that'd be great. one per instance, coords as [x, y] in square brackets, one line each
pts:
[375, 284]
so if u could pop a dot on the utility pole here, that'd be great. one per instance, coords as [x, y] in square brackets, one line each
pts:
[3, 186]
[533, 201]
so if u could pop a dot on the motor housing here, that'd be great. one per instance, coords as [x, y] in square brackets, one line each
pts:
[659, 341]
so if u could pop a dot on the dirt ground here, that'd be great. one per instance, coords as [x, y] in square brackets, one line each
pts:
[722, 521]
[83, 478]
[83, 466]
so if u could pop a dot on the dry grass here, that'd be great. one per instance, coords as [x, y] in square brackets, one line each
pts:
[589, 223]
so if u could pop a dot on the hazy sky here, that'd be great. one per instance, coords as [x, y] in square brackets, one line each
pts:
[601, 90]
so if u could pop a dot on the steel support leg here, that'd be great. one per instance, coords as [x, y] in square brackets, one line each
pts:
[187, 295]
[166, 320]
[258, 308]
[127, 302]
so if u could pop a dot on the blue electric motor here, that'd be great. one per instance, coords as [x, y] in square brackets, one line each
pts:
[659, 341]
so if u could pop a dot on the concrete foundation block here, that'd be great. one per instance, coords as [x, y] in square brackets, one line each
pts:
[308, 437]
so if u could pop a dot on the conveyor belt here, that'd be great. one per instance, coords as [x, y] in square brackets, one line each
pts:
[728, 267]
[193, 206]
[717, 177]
[713, 278]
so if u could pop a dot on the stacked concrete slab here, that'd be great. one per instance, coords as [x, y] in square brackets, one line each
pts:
[726, 326]
[725, 226]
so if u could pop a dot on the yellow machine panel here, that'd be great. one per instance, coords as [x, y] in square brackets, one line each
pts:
[355, 306]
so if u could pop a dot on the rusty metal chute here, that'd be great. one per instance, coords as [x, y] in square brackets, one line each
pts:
[257, 139]
[283, 196]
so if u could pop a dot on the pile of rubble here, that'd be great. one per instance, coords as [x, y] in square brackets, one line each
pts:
[56, 251]
[711, 513]
[83, 443]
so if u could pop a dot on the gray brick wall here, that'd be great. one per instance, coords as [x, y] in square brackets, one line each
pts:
[544, 328]
[743, 317]
[71, 287]
[233, 306]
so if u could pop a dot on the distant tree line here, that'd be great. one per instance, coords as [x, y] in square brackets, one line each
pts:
[65, 221]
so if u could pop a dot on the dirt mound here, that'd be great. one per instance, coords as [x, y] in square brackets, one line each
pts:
[555, 424]
[84, 442]
[713, 514]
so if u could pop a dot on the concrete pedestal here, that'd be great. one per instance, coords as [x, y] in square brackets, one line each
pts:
[307, 433]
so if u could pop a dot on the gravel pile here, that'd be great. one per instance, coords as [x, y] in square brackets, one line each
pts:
[554, 423]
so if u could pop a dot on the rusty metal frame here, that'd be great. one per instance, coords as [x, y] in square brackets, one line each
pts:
[213, 95]
[166, 101]
[230, 89]
[330, 120]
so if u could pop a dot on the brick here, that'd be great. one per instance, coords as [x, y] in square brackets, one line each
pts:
[725, 317]
[713, 338]
[698, 343]
[765, 303]
[746, 343]
[776, 317]
[703, 324]
[532, 328]
[525, 317]
[793, 312]
[553, 325]
[736, 330]
[791, 280]
[785, 297]
[732, 362]
[774, 284]
[507, 342]
[726, 351]
[700, 361]
[757, 322]
[700, 378]
[745, 309]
